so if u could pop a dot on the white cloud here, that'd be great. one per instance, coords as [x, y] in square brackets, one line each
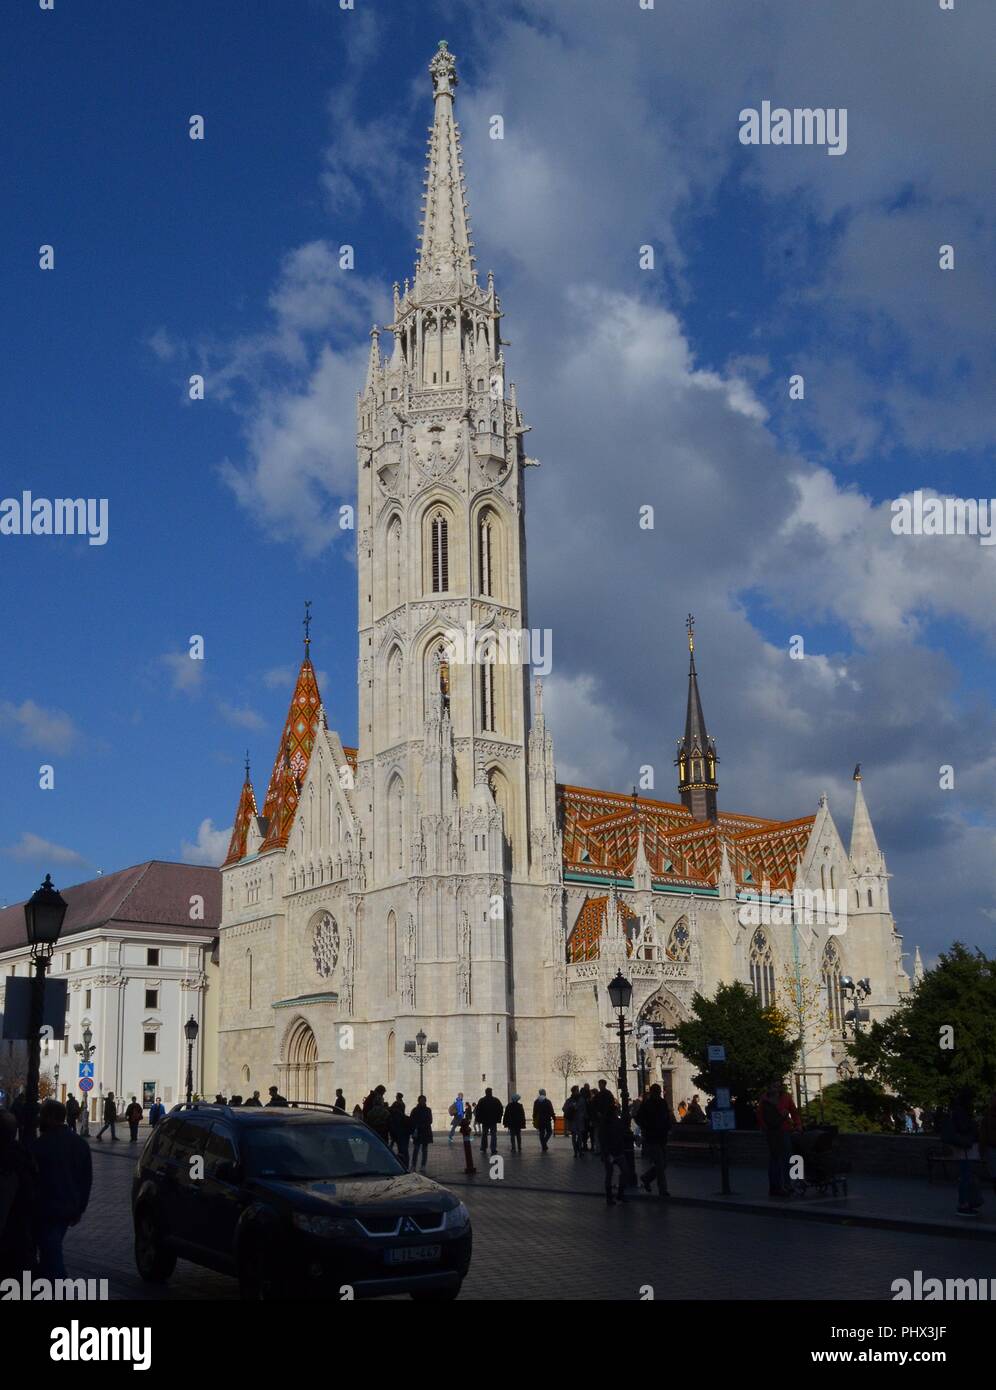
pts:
[210, 847]
[33, 849]
[241, 716]
[51, 730]
[186, 674]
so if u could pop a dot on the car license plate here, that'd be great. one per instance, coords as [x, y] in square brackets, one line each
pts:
[413, 1254]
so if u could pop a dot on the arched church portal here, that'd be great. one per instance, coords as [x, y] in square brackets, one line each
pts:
[661, 1011]
[300, 1063]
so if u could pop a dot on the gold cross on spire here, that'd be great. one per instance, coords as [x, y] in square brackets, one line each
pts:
[690, 625]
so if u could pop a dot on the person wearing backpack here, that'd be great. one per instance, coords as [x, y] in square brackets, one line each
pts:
[962, 1133]
[455, 1113]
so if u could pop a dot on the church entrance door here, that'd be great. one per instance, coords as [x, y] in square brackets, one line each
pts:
[301, 1064]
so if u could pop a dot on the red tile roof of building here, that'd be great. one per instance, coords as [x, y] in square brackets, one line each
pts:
[293, 756]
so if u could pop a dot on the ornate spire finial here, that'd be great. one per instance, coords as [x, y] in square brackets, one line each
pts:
[690, 625]
[857, 772]
[247, 765]
[306, 624]
[443, 71]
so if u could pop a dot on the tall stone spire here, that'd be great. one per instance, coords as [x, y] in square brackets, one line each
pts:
[918, 971]
[697, 759]
[866, 857]
[445, 247]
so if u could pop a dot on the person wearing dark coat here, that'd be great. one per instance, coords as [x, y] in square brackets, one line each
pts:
[275, 1098]
[489, 1112]
[421, 1130]
[253, 1099]
[543, 1116]
[72, 1112]
[110, 1118]
[654, 1119]
[514, 1121]
[616, 1144]
[134, 1117]
[18, 1177]
[601, 1107]
[65, 1175]
[398, 1127]
[340, 1101]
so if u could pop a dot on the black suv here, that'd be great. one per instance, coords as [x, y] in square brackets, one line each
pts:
[296, 1203]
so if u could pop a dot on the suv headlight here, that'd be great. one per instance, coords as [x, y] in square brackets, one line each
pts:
[457, 1218]
[326, 1226]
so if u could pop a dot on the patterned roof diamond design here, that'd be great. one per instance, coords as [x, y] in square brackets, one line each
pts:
[293, 756]
[583, 941]
[601, 836]
[243, 819]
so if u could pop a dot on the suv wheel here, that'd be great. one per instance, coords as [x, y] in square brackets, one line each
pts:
[154, 1260]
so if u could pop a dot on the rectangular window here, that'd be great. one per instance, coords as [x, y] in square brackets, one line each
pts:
[89, 956]
[67, 960]
[152, 955]
[152, 999]
[87, 998]
[149, 1042]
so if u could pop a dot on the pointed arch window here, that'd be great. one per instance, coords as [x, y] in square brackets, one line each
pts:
[395, 694]
[679, 941]
[439, 537]
[394, 562]
[762, 970]
[392, 952]
[396, 825]
[831, 983]
[485, 554]
[488, 696]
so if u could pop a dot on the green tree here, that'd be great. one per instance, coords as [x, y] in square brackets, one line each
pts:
[941, 1037]
[759, 1045]
[855, 1106]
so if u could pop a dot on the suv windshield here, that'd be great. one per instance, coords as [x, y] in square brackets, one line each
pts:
[299, 1151]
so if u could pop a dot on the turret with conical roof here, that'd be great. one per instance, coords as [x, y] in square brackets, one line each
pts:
[697, 758]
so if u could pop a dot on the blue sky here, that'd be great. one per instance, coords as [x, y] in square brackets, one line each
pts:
[219, 256]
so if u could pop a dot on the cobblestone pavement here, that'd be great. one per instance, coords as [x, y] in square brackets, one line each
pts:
[533, 1243]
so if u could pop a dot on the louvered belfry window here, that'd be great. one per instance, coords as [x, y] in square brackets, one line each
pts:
[440, 555]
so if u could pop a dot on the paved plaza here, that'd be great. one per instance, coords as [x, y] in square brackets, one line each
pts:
[543, 1231]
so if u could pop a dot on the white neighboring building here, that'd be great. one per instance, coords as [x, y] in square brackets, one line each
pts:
[138, 948]
[438, 877]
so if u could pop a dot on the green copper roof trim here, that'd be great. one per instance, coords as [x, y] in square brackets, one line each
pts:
[329, 996]
[628, 883]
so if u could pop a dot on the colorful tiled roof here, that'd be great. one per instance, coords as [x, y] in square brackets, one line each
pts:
[243, 819]
[601, 835]
[583, 942]
[293, 756]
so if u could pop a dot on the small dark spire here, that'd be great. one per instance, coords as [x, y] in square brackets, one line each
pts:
[307, 626]
[697, 757]
[247, 765]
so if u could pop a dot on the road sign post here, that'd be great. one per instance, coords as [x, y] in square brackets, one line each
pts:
[722, 1118]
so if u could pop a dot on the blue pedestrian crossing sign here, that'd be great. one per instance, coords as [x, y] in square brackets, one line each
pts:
[86, 1069]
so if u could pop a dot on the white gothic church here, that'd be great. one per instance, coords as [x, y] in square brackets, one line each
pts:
[438, 878]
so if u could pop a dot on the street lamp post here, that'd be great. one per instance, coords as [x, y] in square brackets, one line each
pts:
[620, 994]
[190, 1030]
[44, 913]
[857, 991]
[86, 1051]
[421, 1050]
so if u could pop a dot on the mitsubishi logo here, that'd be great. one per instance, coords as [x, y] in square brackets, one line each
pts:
[408, 1227]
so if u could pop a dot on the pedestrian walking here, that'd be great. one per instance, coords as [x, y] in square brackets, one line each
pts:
[576, 1119]
[588, 1137]
[771, 1121]
[275, 1098]
[72, 1112]
[543, 1118]
[961, 1132]
[421, 1129]
[466, 1132]
[378, 1117]
[18, 1178]
[340, 1101]
[134, 1117]
[654, 1119]
[603, 1106]
[157, 1111]
[110, 1118]
[398, 1127]
[683, 1109]
[65, 1175]
[488, 1113]
[514, 1120]
[616, 1145]
[456, 1114]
